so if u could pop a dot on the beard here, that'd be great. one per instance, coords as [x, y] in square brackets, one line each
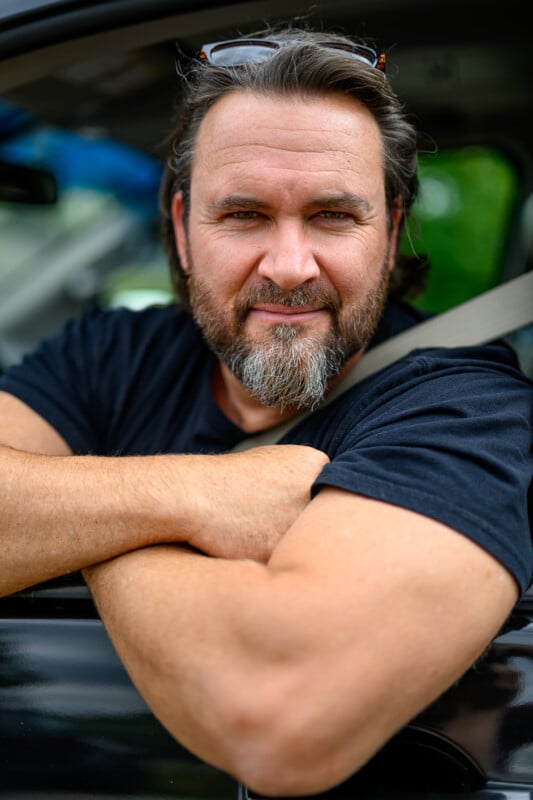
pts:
[289, 368]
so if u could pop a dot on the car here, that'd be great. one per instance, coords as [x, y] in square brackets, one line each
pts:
[87, 92]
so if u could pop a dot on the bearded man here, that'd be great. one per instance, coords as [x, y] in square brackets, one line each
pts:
[250, 594]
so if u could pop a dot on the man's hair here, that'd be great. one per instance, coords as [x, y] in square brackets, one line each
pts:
[301, 68]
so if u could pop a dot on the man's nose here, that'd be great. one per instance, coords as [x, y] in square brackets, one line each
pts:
[289, 260]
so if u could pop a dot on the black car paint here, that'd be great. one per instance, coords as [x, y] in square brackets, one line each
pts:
[72, 722]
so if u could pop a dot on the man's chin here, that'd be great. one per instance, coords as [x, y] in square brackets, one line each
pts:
[286, 374]
[260, 333]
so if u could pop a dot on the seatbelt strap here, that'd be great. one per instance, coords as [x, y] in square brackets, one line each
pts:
[488, 316]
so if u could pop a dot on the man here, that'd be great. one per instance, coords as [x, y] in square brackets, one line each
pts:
[268, 604]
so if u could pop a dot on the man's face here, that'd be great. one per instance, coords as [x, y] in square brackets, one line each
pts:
[286, 244]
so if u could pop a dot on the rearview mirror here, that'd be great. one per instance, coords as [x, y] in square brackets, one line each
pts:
[29, 185]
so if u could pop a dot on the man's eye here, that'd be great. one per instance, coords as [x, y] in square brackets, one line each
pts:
[334, 215]
[246, 215]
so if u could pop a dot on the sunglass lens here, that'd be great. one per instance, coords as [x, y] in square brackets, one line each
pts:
[235, 54]
[360, 52]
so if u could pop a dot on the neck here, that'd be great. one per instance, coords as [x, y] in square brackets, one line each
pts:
[243, 410]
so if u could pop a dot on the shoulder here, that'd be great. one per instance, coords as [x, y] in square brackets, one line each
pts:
[463, 379]
[122, 323]
[443, 432]
[115, 335]
[433, 384]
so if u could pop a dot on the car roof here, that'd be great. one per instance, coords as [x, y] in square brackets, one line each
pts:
[462, 69]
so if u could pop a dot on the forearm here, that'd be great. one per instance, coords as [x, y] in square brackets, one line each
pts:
[176, 620]
[63, 513]
[233, 659]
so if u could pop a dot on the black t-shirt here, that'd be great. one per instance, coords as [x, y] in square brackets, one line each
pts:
[444, 432]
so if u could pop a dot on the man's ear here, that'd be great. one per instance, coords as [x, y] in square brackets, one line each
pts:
[395, 224]
[180, 232]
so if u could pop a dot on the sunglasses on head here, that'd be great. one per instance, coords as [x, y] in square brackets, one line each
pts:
[238, 52]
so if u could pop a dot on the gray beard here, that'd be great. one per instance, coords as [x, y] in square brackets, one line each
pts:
[290, 370]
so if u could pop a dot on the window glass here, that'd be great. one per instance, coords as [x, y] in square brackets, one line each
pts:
[461, 222]
[98, 243]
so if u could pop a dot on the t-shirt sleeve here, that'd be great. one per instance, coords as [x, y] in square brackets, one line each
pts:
[67, 378]
[450, 437]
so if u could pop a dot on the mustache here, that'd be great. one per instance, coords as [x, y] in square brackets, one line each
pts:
[299, 297]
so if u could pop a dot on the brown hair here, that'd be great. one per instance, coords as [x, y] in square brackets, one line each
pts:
[302, 67]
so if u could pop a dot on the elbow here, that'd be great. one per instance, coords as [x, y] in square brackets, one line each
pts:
[285, 749]
[280, 777]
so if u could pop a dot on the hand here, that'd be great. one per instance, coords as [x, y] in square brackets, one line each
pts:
[245, 502]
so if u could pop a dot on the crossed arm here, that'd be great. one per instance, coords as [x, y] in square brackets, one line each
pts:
[61, 513]
[280, 661]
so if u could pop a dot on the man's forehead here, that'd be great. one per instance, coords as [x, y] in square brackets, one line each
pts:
[320, 128]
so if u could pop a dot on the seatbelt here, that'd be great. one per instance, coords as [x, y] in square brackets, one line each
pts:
[488, 316]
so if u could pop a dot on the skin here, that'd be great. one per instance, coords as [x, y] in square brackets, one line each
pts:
[278, 660]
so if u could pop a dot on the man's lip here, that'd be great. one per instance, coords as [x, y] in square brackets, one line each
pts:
[274, 313]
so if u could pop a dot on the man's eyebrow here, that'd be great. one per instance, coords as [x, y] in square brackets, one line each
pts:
[343, 201]
[236, 201]
[347, 201]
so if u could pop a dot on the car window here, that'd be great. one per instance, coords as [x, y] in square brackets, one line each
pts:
[98, 243]
[461, 221]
